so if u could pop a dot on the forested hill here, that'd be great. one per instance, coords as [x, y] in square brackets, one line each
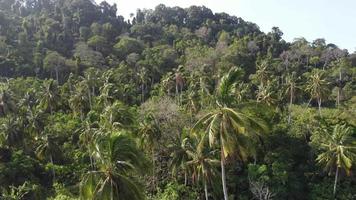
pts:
[175, 103]
[46, 38]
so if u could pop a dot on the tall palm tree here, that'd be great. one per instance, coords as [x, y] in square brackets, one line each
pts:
[91, 79]
[317, 86]
[228, 127]
[179, 154]
[117, 115]
[79, 100]
[265, 94]
[203, 91]
[262, 73]
[49, 96]
[192, 102]
[150, 134]
[338, 151]
[143, 79]
[203, 164]
[87, 138]
[242, 90]
[7, 103]
[11, 132]
[117, 161]
[105, 97]
[35, 121]
[291, 88]
[47, 149]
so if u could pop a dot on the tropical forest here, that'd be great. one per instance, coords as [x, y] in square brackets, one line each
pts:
[171, 104]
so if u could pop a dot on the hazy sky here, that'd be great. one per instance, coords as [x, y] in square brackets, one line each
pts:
[333, 20]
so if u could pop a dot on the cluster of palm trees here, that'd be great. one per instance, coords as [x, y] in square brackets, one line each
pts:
[224, 132]
[115, 145]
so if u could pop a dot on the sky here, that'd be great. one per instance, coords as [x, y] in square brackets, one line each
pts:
[333, 20]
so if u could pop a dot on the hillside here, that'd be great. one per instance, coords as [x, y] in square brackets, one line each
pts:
[176, 103]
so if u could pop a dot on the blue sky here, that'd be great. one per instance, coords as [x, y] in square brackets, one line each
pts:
[333, 20]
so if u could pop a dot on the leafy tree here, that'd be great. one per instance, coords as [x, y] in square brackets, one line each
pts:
[126, 46]
[99, 43]
[87, 56]
[84, 32]
[54, 62]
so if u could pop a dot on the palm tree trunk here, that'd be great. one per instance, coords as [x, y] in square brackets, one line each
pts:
[290, 106]
[176, 90]
[185, 178]
[319, 106]
[57, 75]
[91, 162]
[112, 192]
[142, 93]
[89, 98]
[335, 183]
[223, 176]
[51, 159]
[206, 190]
[309, 102]
[153, 168]
[338, 97]
[339, 89]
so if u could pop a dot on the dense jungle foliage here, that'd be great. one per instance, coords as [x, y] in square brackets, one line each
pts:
[173, 104]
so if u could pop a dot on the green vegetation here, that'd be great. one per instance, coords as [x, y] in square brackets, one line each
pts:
[172, 104]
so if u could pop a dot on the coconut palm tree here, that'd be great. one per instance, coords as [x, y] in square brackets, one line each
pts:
[150, 134]
[49, 96]
[91, 76]
[317, 86]
[12, 132]
[265, 94]
[229, 128]
[35, 121]
[87, 138]
[179, 156]
[117, 115]
[338, 151]
[7, 103]
[203, 162]
[242, 91]
[291, 88]
[79, 101]
[143, 79]
[105, 98]
[262, 73]
[117, 160]
[47, 149]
